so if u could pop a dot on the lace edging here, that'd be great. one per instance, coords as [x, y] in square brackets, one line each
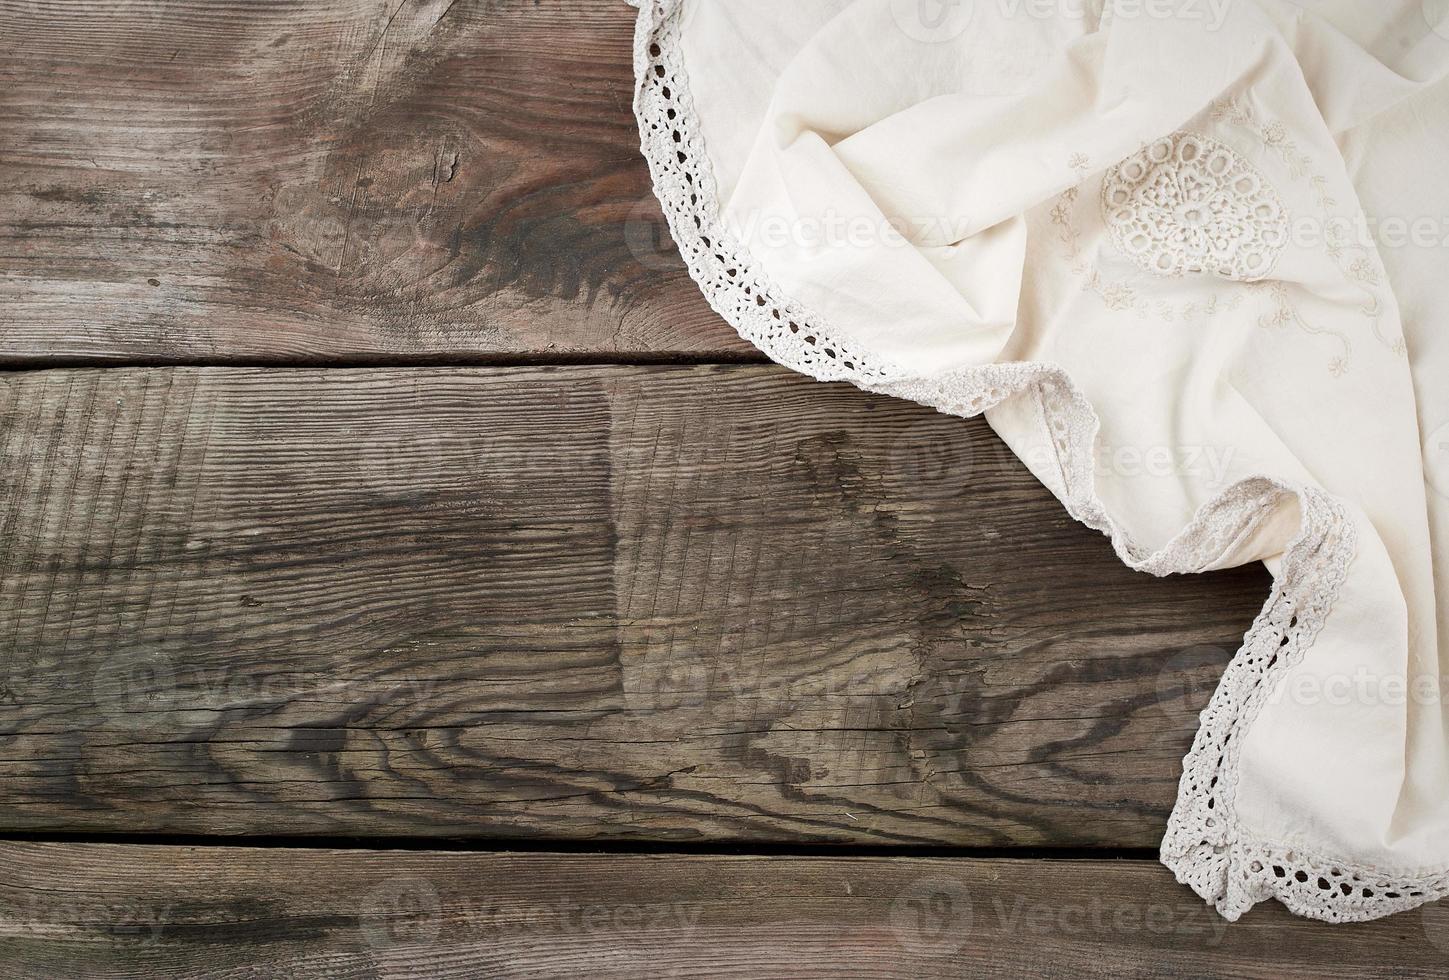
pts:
[1205, 846]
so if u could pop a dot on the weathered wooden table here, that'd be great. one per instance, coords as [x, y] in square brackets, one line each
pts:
[402, 571]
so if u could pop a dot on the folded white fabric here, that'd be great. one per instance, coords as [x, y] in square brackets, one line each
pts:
[1175, 227]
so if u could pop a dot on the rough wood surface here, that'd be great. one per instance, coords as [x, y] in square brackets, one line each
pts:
[300, 181]
[665, 603]
[128, 911]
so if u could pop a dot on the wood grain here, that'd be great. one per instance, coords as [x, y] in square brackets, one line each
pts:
[634, 603]
[129, 911]
[230, 181]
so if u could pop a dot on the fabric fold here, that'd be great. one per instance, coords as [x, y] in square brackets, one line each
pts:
[1131, 239]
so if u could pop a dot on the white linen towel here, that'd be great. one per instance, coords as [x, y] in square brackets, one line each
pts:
[1177, 226]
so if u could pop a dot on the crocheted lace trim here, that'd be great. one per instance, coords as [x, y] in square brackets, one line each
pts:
[1205, 845]
[1188, 204]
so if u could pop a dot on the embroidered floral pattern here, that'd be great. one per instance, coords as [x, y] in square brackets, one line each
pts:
[1120, 296]
[1189, 205]
[1358, 261]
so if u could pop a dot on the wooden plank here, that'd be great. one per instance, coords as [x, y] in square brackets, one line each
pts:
[128, 911]
[223, 180]
[718, 603]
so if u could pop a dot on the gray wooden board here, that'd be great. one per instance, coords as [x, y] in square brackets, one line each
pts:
[678, 603]
[149, 911]
[222, 181]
